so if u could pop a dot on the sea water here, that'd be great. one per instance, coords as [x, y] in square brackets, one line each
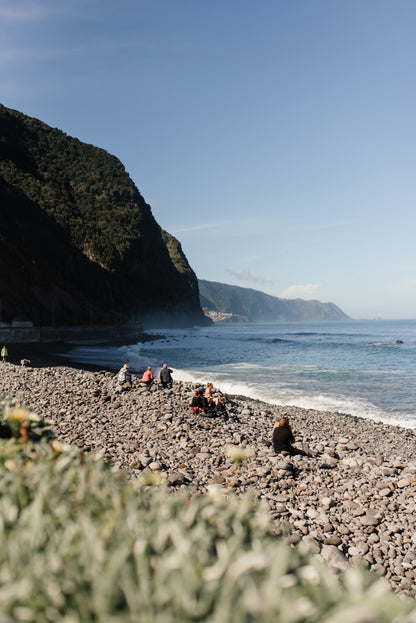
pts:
[354, 367]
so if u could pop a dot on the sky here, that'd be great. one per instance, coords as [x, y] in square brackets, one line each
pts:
[275, 139]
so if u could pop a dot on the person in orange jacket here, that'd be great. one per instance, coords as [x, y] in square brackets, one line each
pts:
[147, 377]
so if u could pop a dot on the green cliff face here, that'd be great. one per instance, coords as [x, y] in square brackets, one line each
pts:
[78, 243]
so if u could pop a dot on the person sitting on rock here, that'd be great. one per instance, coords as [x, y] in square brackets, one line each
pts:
[195, 402]
[124, 375]
[220, 404]
[147, 377]
[165, 376]
[199, 402]
[212, 400]
[283, 438]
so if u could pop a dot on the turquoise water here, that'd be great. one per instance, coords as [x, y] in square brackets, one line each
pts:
[350, 367]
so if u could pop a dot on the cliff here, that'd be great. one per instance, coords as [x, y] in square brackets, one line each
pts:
[228, 303]
[78, 243]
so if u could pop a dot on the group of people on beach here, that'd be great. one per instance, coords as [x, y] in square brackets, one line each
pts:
[165, 376]
[205, 403]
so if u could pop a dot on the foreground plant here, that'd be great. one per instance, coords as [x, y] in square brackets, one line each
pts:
[21, 423]
[81, 544]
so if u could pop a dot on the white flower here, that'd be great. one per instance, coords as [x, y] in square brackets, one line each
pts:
[216, 494]
[59, 446]
[238, 454]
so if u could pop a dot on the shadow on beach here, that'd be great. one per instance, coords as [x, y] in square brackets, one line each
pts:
[50, 354]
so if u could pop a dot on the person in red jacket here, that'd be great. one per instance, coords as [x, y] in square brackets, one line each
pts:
[147, 377]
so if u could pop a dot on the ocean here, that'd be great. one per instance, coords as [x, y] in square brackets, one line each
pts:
[351, 367]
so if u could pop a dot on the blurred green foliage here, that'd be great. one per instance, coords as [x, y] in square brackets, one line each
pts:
[81, 543]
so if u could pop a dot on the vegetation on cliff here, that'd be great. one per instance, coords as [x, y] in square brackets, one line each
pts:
[78, 242]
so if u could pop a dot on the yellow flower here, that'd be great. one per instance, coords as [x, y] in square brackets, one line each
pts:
[16, 414]
[151, 478]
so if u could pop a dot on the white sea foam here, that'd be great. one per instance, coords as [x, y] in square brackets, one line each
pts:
[317, 402]
[302, 371]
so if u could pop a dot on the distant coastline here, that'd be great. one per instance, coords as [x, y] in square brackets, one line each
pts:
[236, 304]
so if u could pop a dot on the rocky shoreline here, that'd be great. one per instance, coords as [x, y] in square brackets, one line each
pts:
[354, 500]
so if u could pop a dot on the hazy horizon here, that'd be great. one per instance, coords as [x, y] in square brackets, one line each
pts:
[377, 318]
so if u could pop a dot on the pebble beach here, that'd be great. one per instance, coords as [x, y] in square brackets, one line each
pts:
[352, 500]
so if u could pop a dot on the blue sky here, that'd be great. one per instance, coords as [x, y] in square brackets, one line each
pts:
[275, 139]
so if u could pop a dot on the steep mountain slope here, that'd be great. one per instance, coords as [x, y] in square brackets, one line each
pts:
[78, 243]
[238, 304]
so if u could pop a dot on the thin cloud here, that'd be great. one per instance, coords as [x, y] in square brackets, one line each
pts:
[308, 290]
[226, 228]
[252, 258]
[246, 275]
[22, 13]
[235, 225]
[334, 225]
[231, 227]
[28, 12]
[38, 53]
[183, 229]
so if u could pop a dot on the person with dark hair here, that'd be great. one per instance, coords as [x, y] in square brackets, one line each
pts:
[165, 376]
[283, 438]
[199, 402]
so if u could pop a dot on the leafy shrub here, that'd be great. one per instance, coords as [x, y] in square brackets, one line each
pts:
[20, 422]
[80, 543]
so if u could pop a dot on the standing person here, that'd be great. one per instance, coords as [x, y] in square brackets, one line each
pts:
[4, 353]
[165, 376]
[283, 437]
[147, 377]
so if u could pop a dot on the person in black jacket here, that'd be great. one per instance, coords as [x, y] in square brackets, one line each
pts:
[165, 376]
[199, 402]
[283, 437]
